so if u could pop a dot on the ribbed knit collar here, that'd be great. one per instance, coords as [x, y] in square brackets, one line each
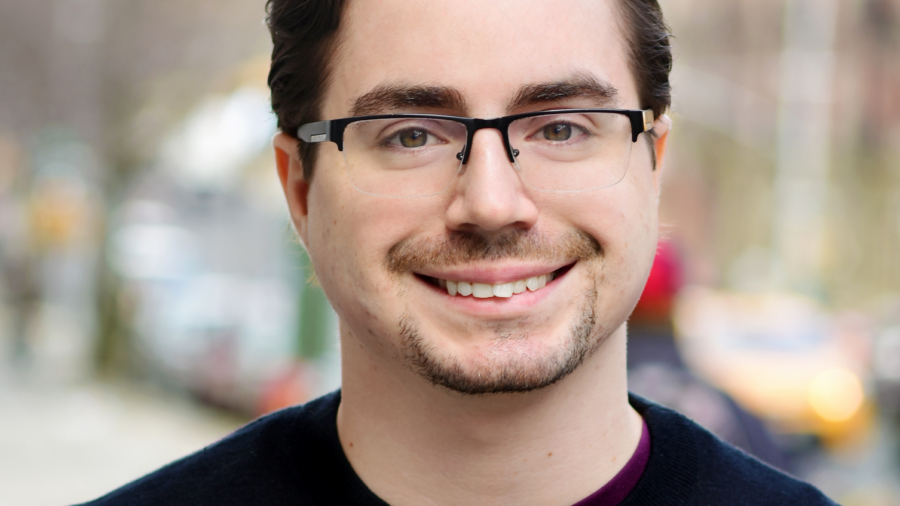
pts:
[671, 472]
[668, 479]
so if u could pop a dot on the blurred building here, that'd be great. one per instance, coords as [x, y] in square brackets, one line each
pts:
[142, 230]
[785, 160]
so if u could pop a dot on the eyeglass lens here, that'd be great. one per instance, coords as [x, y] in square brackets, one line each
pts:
[418, 156]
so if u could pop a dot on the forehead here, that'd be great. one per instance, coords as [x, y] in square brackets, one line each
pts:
[486, 50]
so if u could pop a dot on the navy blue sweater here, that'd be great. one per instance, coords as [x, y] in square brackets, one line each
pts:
[294, 457]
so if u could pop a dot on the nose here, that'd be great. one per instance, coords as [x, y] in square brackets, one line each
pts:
[490, 196]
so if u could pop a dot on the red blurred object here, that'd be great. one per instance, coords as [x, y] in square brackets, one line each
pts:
[290, 388]
[655, 306]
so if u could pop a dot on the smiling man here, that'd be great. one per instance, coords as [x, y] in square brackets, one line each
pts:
[477, 186]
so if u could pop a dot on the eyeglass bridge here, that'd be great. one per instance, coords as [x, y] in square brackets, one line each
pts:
[459, 156]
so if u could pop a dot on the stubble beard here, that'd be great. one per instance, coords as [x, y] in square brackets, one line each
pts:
[505, 368]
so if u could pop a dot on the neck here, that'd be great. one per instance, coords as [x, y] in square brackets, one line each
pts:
[415, 443]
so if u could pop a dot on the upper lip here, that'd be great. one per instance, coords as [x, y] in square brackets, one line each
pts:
[493, 274]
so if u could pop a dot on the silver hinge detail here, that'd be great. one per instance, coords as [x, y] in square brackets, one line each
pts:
[648, 119]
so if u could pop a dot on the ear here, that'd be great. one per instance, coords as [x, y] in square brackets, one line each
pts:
[295, 186]
[661, 127]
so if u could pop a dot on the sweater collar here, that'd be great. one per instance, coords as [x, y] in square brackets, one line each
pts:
[671, 472]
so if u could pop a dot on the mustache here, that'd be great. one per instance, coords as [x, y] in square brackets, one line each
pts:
[460, 247]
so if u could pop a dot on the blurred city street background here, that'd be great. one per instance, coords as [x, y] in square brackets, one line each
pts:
[153, 297]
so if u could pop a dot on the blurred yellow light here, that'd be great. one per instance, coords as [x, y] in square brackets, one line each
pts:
[835, 394]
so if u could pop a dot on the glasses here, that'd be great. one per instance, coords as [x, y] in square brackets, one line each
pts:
[418, 155]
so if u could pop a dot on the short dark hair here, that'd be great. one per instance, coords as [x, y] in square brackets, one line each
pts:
[304, 38]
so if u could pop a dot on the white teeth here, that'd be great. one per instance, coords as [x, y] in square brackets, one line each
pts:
[520, 286]
[482, 291]
[504, 290]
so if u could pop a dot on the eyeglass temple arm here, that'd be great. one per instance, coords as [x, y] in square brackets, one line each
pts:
[324, 131]
[641, 122]
[315, 132]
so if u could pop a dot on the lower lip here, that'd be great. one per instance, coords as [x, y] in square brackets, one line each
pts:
[498, 305]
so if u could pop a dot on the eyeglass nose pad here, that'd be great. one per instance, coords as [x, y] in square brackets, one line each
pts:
[463, 155]
[462, 167]
[515, 159]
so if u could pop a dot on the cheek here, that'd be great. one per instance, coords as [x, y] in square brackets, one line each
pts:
[350, 234]
[623, 219]
[335, 242]
[640, 231]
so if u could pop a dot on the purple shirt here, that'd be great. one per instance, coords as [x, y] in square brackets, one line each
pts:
[624, 481]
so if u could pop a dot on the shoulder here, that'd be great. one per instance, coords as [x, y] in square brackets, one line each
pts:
[256, 464]
[691, 463]
[724, 470]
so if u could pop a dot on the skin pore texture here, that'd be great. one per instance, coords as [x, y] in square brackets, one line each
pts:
[462, 400]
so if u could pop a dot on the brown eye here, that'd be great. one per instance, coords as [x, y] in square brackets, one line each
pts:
[558, 132]
[413, 138]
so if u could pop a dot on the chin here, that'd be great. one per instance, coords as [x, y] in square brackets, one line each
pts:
[507, 361]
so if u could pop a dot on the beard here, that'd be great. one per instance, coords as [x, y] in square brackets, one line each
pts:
[510, 363]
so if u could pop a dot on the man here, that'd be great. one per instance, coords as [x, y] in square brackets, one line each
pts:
[482, 270]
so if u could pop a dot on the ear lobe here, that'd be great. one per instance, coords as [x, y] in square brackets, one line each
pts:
[295, 187]
[662, 127]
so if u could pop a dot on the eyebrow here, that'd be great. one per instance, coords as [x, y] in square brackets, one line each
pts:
[582, 86]
[393, 96]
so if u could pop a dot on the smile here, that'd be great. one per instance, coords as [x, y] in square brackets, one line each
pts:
[501, 290]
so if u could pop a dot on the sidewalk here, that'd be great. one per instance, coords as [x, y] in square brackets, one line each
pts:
[68, 444]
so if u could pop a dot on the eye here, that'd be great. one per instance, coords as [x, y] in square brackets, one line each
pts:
[412, 138]
[557, 132]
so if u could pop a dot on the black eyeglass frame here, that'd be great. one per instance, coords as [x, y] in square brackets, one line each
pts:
[333, 130]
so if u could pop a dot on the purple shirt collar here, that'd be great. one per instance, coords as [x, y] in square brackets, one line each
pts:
[625, 480]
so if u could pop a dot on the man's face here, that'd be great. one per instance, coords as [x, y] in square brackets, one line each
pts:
[381, 260]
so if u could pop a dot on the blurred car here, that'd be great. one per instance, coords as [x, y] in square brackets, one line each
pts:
[781, 357]
[657, 372]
